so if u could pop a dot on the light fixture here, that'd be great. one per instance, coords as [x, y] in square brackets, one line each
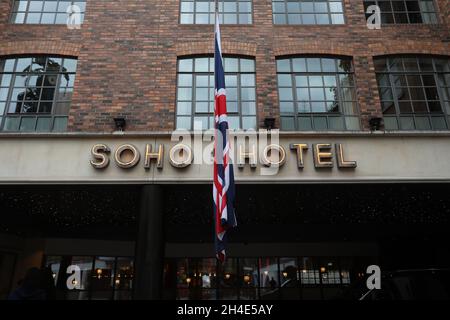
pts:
[323, 269]
[120, 123]
[375, 123]
[188, 280]
[285, 274]
[247, 278]
[269, 123]
[227, 276]
[266, 272]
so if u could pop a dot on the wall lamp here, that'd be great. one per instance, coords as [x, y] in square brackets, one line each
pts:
[120, 123]
[375, 123]
[269, 123]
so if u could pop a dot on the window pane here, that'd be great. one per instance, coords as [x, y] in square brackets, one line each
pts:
[60, 124]
[247, 65]
[248, 123]
[304, 124]
[248, 80]
[184, 94]
[285, 94]
[283, 65]
[231, 65]
[287, 123]
[27, 124]
[248, 108]
[43, 124]
[185, 65]
[184, 123]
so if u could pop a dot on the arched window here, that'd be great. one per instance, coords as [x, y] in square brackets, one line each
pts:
[317, 93]
[195, 93]
[36, 93]
[414, 92]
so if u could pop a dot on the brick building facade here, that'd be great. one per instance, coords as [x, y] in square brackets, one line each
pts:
[76, 190]
[127, 55]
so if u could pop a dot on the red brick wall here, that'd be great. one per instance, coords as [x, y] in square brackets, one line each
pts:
[128, 50]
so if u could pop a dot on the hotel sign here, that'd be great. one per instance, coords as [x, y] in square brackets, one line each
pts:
[127, 156]
[159, 158]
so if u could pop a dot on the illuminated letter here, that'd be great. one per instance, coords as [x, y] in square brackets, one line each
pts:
[101, 159]
[184, 155]
[281, 159]
[323, 159]
[299, 147]
[342, 163]
[128, 163]
[159, 156]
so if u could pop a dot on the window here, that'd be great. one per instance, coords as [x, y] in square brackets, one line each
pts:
[404, 11]
[102, 278]
[195, 96]
[45, 12]
[202, 11]
[414, 92]
[308, 12]
[35, 93]
[317, 94]
[266, 278]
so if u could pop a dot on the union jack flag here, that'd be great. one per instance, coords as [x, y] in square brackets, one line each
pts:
[223, 186]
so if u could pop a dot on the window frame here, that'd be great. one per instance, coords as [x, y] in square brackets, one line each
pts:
[52, 115]
[193, 100]
[237, 13]
[26, 12]
[89, 291]
[286, 14]
[311, 115]
[413, 114]
[407, 12]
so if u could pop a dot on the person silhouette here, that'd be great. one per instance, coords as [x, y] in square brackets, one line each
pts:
[30, 288]
[272, 283]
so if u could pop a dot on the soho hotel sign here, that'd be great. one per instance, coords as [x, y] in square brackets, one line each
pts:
[181, 155]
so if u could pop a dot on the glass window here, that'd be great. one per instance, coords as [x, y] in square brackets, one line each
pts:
[229, 280]
[307, 12]
[404, 11]
[414, 92]
[102, 278]
[248, 277]
[269, 276]
[124, 278]
[317, 94]
[195, 93]
[31, 88]
[202, 11]
[47, 12]
[196, 279]
[266, 278]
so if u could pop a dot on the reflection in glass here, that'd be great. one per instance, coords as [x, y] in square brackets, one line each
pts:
[35, 85]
